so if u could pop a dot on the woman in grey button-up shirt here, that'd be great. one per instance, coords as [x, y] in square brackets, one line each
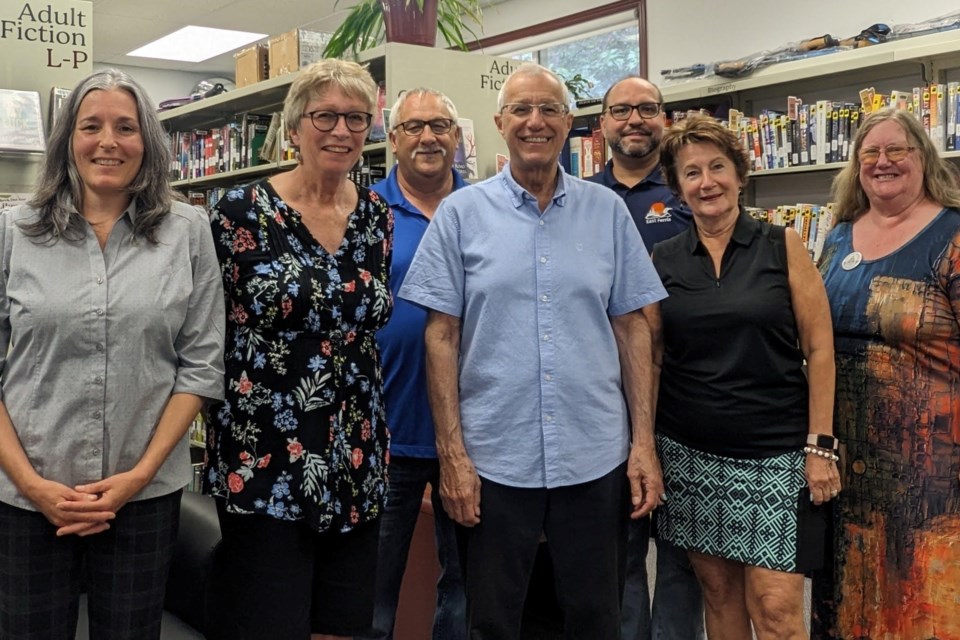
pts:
[111, 338]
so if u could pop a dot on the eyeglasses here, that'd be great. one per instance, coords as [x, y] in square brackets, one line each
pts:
[438, 126]
[894, 153]
[356, 121]
[645, 110]
[547, 109]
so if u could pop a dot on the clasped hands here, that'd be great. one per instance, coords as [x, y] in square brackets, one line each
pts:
[86, 509]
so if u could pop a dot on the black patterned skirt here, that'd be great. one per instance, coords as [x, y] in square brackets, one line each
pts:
[755, 511]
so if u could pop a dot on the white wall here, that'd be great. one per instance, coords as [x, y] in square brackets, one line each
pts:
[160, 84]
[680, 32]
[683, 32]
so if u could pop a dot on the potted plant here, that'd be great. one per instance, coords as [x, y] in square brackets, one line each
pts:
[409, 21]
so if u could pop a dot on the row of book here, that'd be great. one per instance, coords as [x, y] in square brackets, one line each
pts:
[236, 145]
[585, 152]
[937, 106]
[251, 139]
[365, 176]
[822, 132]
[811, 221]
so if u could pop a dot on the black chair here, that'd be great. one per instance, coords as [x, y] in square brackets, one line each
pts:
[189, 600]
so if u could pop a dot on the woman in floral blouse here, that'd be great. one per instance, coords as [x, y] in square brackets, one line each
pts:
[297, 452]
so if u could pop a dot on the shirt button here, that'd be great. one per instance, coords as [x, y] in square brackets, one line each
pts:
[99, 312]
[542, 223]
[97, 414]
[99, 279]
[543, 258]
[544, 298]
[99, 347]
[98, 379]
[96, 452]
[548, 377]
[546, 337]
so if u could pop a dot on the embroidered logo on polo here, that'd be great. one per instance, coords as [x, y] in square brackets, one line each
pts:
[658, 213]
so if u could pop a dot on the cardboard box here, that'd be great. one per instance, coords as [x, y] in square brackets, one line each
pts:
[295, 49]
[251, 65]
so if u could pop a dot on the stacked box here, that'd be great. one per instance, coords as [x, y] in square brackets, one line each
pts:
[295, 49]
[251, 65]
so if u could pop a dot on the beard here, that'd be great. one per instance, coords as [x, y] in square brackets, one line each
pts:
[637, 150]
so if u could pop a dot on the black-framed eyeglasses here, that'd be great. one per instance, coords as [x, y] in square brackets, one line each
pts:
[894, 153]
[438, 126]
[547, 109]
[645, 110]
[356, 121]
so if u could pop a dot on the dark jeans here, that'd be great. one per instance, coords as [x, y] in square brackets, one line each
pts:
[408, 479]
[585, 527]
[678, 600]
[123, 569]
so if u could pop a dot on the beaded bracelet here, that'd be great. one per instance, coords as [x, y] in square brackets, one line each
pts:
[823, 453]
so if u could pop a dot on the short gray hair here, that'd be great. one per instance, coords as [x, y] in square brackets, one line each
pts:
[533, 69]
[421, 91]
[59, 192]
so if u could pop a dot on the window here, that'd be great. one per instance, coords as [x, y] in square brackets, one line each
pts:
[603, 55]
[600, 59]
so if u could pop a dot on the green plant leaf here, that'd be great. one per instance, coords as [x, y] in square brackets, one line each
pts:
[363, 27]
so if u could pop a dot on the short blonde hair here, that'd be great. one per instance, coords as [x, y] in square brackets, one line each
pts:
[351, 78]
[939, 181]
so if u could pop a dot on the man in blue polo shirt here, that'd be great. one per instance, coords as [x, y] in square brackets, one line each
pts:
[424, 136]
[542, 298]
[632, 121]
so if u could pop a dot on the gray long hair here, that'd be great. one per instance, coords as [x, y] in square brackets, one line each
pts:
[59, 192]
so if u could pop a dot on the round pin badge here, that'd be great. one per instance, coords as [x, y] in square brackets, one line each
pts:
[853, 259]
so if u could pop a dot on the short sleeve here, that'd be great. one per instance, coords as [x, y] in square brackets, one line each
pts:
[200, 342]
[635, 281]
[436, 276]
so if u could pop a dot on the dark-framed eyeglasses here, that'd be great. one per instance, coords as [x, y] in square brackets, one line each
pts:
[894, 153]
[438, 126]
[645, 110]
[356, 121]
[547, 109]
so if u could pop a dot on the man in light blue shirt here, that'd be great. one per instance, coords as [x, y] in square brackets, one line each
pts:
[542, 306]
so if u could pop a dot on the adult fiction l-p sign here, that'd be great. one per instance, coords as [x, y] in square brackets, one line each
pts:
[56, 34]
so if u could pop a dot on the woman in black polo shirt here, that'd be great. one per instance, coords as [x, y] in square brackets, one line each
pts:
[735, 410]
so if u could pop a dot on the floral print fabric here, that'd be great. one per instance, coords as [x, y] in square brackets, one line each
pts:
[301, 434]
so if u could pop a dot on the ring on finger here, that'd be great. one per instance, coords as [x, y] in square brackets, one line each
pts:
[834, 493]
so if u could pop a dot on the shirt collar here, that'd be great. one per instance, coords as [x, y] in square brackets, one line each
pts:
[654, 177]
[393, 194]
[744, 231]
[131, 211]
[518, 194]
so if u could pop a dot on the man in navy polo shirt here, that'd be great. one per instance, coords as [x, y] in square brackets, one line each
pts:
[632, 121]
[424, 136]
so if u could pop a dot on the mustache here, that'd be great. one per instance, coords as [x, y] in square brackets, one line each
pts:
[413, 154]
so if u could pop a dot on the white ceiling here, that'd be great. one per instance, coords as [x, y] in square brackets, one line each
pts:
[120, 26]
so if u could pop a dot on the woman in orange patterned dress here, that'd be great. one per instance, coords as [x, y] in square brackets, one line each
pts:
[892, 271]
